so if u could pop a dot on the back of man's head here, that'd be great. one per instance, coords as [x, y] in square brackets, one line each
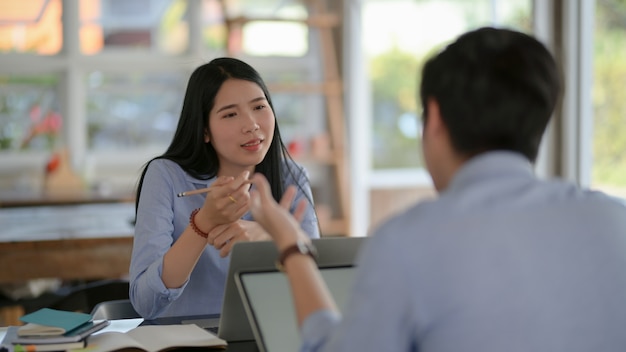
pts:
[496, 90]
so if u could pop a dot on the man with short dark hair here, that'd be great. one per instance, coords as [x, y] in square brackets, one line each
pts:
[502, 260]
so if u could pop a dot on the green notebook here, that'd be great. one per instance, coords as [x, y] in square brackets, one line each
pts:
[48, 321]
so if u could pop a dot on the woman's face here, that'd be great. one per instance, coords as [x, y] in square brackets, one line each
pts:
[241, 126]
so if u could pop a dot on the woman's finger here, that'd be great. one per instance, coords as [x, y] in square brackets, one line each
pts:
[216, 232]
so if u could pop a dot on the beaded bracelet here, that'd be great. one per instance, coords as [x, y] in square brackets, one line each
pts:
[193, 225]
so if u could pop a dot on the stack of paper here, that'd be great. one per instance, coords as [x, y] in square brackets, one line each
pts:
[53, 330]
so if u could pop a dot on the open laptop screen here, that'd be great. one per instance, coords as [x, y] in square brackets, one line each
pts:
[267, 299]
[262, 255]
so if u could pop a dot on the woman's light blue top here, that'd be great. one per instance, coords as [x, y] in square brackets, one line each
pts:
[161, 219]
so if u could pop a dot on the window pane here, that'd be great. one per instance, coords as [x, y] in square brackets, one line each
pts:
[29, 113]
[153, 25]
[609, 98]
[261, 37]
[298, 130]
[31, 26]
[290, 98]
[397, 37]
[214, 30]
[139, 110]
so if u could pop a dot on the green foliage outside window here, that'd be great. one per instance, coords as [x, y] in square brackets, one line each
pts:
[394, 85]
[609, 95]
[394, 74]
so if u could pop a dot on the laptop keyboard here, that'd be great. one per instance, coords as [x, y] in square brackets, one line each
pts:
[212, 329]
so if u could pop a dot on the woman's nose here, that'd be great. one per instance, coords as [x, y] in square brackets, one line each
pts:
[251, 127]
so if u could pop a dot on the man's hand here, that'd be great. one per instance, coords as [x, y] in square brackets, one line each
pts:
[275, 218]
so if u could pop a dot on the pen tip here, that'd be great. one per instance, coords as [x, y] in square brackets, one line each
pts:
[182, 194]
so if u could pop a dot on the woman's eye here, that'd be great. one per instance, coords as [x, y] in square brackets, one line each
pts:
[232, 114]
[259, 107]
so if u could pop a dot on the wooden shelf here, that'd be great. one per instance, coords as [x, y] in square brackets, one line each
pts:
[334, 88]
[324, 20]
[333, 227]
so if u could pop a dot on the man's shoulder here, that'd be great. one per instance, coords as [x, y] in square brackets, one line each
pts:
[412, 220]
[571, 193]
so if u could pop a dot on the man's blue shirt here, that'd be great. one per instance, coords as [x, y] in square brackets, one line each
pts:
[501, 261]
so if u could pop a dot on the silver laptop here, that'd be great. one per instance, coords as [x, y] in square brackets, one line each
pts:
[269, 306]
[233, 323]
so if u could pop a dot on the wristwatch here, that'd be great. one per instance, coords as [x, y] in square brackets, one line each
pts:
[300, 247]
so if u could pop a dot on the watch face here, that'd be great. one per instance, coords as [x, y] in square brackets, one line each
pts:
[302, 247]
[306, 248]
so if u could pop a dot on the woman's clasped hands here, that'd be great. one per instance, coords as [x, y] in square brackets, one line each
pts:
[226, 202]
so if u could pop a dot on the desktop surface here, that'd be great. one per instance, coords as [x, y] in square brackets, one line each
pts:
[233, 346]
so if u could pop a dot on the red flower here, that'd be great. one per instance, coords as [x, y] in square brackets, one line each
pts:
[53, 163]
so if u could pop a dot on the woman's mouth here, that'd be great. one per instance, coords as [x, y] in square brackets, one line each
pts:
[252, 145]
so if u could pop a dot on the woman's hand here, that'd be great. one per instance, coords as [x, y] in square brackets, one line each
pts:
[227, 201]
[223, 237]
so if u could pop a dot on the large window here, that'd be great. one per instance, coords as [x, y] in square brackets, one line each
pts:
[132, 110]
[155, 25]
[106, 78]
[609, 98]
[397, 36]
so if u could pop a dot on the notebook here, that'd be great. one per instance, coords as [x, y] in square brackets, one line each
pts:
[233, 325]
[268, 303]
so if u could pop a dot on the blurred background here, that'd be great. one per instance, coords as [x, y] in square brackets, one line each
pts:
[92, 89]
[105, 79]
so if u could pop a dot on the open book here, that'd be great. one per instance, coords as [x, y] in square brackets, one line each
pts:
[154, 338]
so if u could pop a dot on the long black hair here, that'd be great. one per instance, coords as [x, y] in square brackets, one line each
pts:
[198, 158]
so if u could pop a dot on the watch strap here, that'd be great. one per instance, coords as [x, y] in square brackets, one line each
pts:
[300, 247]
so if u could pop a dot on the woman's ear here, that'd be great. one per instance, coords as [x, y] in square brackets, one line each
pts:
[207, 139]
